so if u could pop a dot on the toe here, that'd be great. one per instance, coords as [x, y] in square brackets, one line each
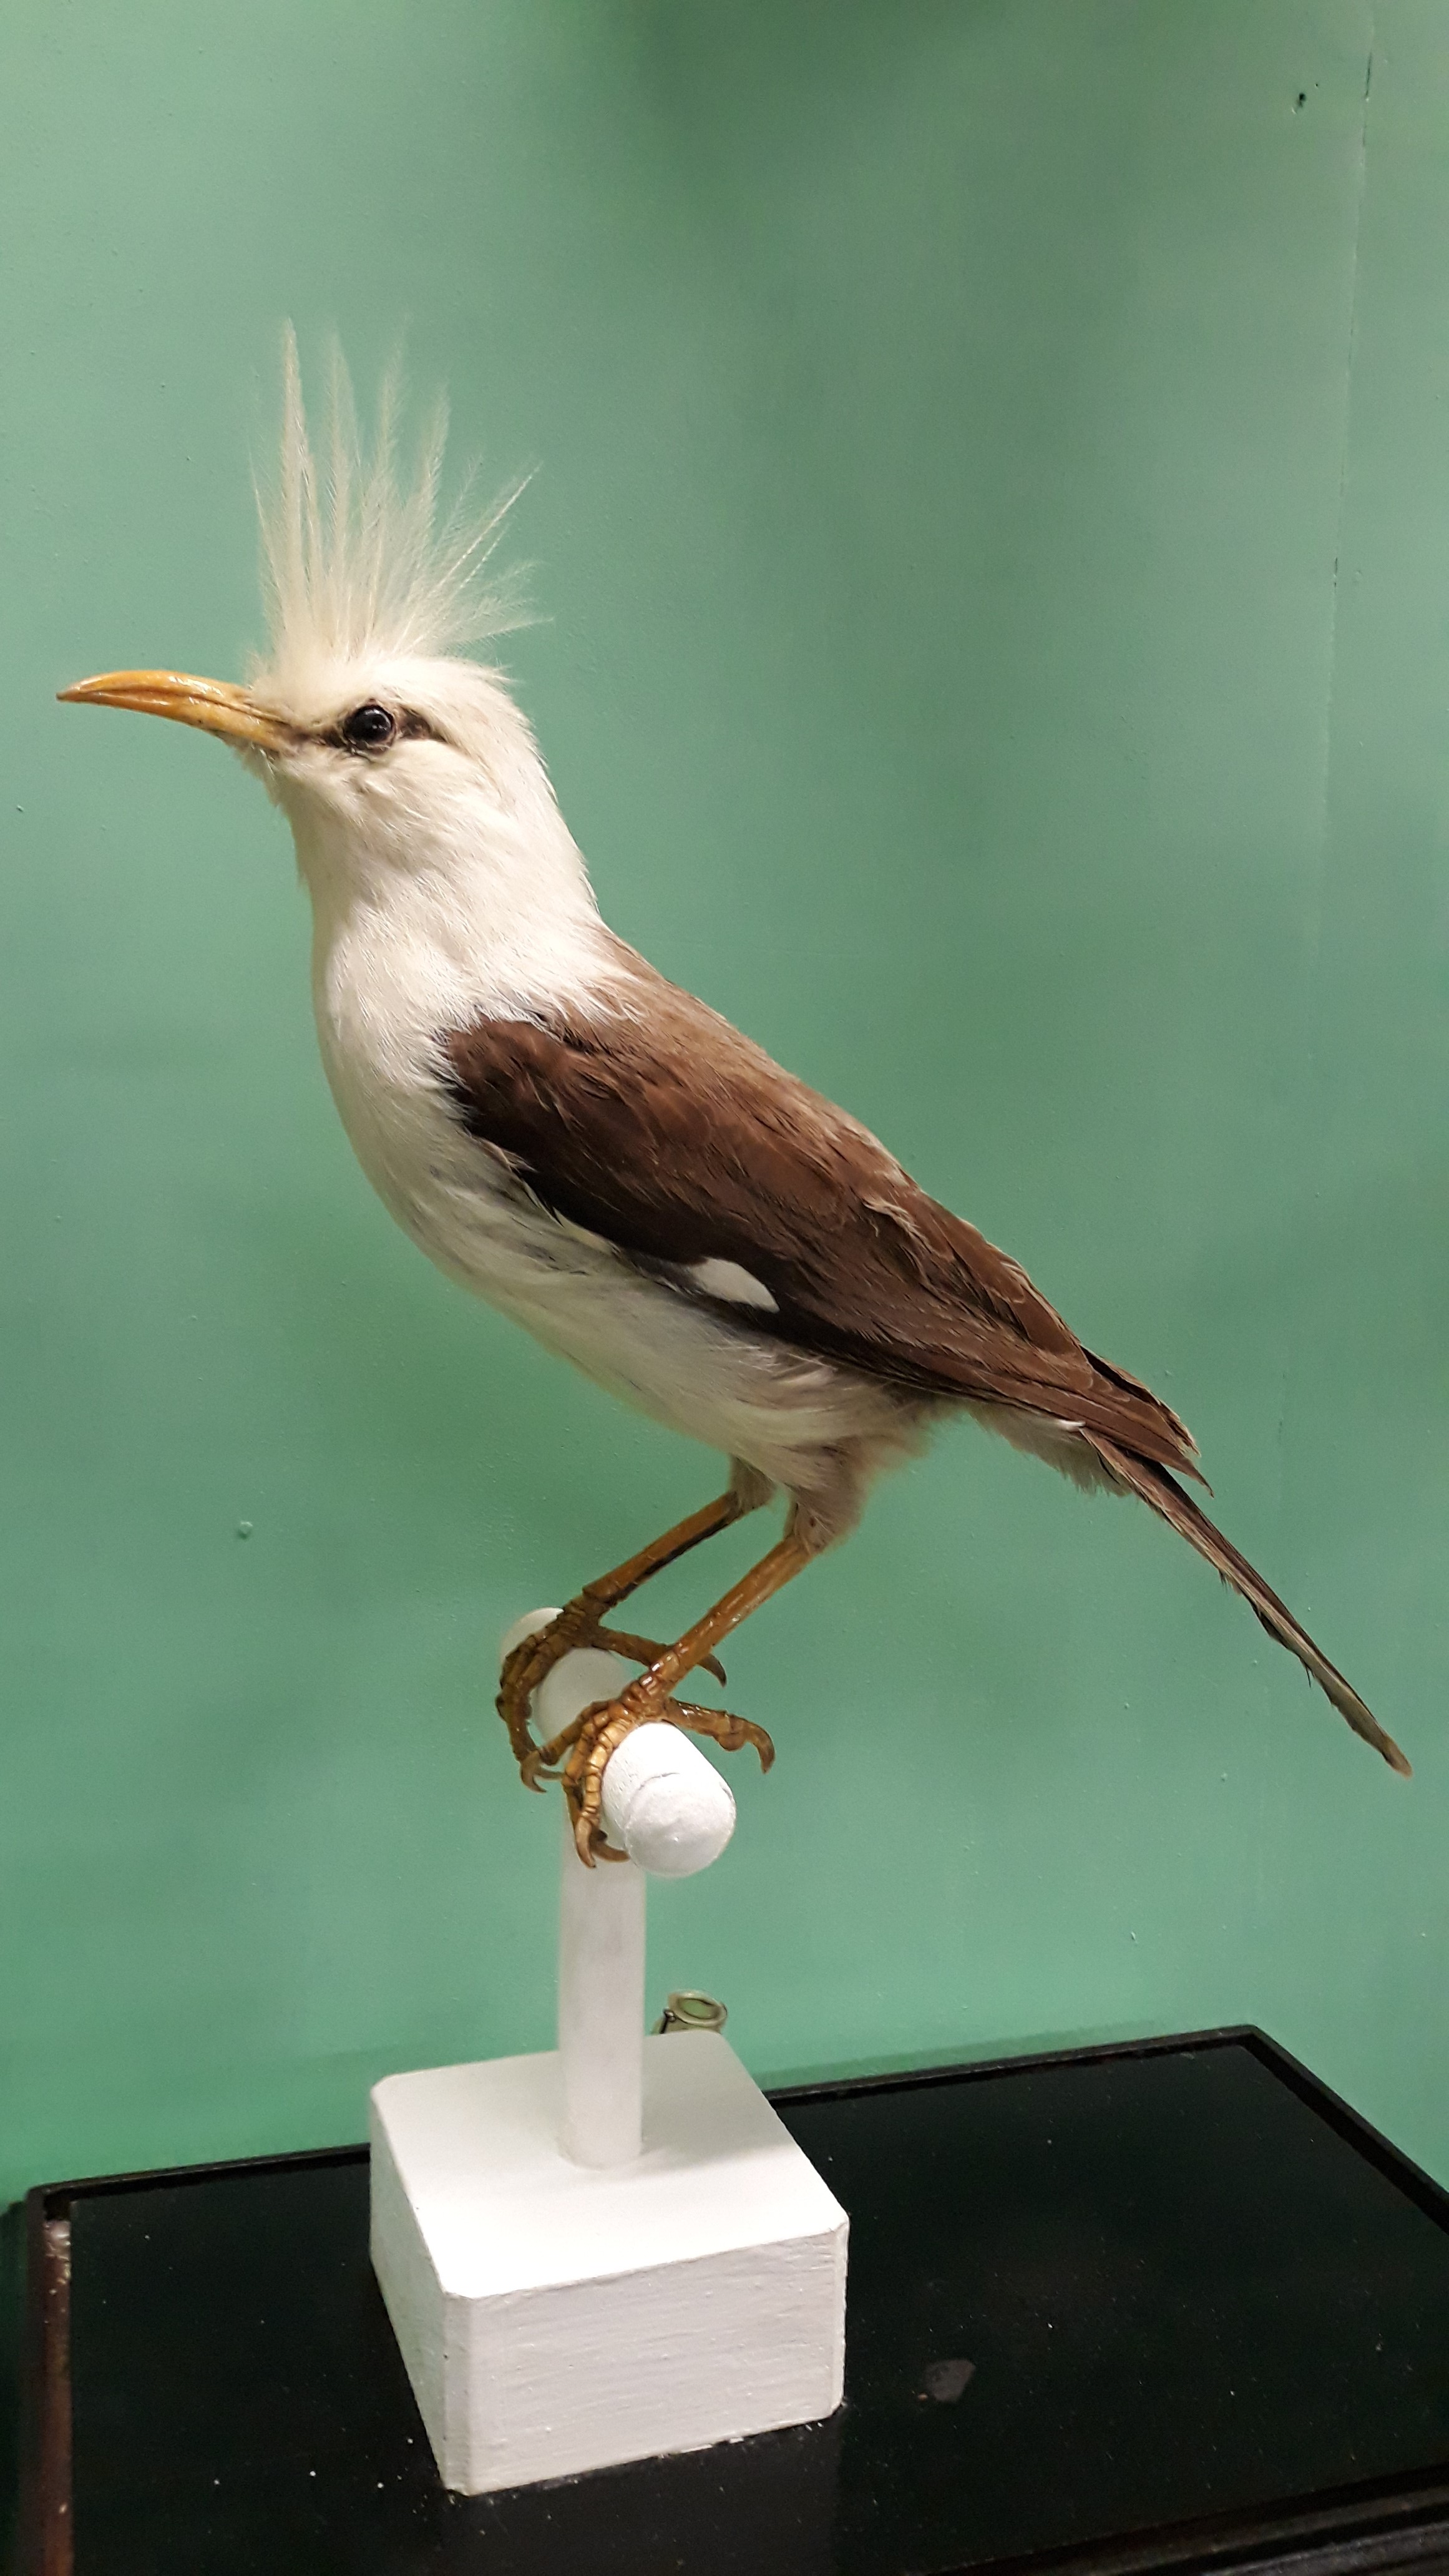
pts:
[648, 1650]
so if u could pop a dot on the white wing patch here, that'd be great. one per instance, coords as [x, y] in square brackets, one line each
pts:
[725, 1279]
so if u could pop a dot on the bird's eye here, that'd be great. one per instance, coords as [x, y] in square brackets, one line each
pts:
[368, 727]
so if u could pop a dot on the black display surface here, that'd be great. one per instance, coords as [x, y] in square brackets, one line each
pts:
[1169, 2305]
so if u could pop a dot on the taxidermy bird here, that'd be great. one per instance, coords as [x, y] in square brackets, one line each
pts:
[594, 1151]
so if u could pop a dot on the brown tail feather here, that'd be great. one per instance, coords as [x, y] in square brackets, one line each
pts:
[1166, 1497]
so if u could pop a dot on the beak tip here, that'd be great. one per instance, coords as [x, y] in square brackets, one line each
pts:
[214, 706]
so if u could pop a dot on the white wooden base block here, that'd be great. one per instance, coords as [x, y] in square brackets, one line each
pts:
[556, 2317]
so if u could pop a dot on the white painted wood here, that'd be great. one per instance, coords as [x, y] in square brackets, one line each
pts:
[615, 2249]
[670, 1810]
[555, 2318]
[600, 1939]
[600, 2007]
[666, 1803]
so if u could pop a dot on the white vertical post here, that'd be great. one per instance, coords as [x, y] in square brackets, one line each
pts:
[600, 2008]
[669, 1808]
[600, 1947]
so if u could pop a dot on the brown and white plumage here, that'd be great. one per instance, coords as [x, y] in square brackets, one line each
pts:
[585, 1145]
[656, 1127]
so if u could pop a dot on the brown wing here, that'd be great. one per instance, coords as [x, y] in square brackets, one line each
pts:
[654, 1124]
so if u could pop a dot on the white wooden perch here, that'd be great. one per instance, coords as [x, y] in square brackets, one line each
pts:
[615, 2248]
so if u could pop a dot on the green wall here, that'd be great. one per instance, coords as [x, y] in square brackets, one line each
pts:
[992, 531]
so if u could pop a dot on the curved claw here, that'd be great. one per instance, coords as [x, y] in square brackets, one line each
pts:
[603, 1849]
[730, 1733]
[590, 1840]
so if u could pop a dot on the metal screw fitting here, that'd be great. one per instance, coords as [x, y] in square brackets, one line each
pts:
[687, 2011]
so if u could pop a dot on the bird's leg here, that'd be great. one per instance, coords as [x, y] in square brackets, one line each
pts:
[592, 1738]
[580, 1622]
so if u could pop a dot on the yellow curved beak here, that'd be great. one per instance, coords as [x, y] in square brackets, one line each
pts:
[214, 705]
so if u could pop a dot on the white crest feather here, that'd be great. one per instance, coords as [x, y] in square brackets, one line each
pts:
[356, 557]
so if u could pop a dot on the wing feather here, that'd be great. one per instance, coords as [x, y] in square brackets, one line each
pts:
[654, 1124]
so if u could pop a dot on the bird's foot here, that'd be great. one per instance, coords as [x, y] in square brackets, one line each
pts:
[579, 1623]
[587, 1745]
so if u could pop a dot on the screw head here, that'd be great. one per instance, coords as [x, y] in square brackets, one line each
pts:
[686, 2010]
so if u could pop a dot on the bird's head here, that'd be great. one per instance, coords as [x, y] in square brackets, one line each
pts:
[388, 749]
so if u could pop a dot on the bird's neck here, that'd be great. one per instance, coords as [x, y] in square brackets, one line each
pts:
[492, 909]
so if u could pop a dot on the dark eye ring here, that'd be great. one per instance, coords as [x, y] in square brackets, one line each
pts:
[368, 728]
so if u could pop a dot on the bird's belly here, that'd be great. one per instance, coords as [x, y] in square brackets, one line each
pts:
[666, 1353]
